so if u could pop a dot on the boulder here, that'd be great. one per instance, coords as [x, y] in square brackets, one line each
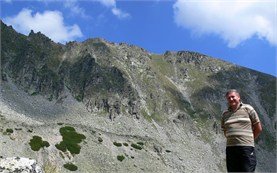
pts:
[19, 164]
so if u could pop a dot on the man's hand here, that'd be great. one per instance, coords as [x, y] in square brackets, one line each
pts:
[257, 129]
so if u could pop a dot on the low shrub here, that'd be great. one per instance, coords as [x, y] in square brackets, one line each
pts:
[70, 166]
[136, 146]
[61, 146]
[117, 144]
[36, 143]
[45, 143]
[9, 130]
[34, 93]
[120, 158]
[125, 144]
[71, 139]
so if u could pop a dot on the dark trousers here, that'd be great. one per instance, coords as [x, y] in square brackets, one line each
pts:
[240, 159]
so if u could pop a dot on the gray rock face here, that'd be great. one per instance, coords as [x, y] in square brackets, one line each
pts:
[19, 164]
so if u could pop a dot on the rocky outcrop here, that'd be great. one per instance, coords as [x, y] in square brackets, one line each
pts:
[19, 164]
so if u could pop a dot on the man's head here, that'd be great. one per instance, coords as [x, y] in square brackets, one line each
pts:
[233, 98]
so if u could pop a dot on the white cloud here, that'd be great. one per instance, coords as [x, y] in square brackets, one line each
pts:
[108, 3]
[49, 23]
[120, 14]
[112, 5]
[234, 21]
[75, 8]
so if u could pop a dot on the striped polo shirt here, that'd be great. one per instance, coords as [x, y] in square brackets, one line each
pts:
[238, 125]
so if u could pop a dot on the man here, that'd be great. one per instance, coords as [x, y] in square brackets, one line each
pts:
[241, 126]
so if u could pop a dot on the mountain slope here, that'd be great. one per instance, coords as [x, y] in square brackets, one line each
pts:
[164, 110]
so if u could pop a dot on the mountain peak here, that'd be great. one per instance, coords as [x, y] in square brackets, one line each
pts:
[38, 37]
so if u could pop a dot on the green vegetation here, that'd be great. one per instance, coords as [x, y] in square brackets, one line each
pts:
[36, 143]
[9, 131]
[117, 144]
[168, 151]
[125, 144]
[79, 98]
[140, 143]
[70, 166]
[160, 65]
[157, 117]
[146, 116]
[34, 93]
[120, 158]
[45, 143]
[136, 146]
[71, 139]
[60, 124]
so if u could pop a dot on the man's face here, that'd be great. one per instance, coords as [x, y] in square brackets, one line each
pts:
[233, 99]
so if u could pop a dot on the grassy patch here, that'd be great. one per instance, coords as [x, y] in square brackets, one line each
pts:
[160, 65]
[136, 146]
[157, 117]
[71, 139]
[36, 143]
[34, 93]
[146, 116]
[120, 158]
[70, 166]
[117, 144]
[9, 131]
[79, 98]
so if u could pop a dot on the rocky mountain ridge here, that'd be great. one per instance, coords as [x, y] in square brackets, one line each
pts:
[115, 94]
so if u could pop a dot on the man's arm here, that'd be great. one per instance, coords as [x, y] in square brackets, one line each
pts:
[257, 129]
[224, 131]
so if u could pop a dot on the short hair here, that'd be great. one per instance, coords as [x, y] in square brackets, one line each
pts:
[231, 91]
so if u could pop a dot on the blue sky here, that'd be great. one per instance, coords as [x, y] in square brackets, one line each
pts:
[242, 32]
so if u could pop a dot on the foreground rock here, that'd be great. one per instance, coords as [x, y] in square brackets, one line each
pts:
[17, 164]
